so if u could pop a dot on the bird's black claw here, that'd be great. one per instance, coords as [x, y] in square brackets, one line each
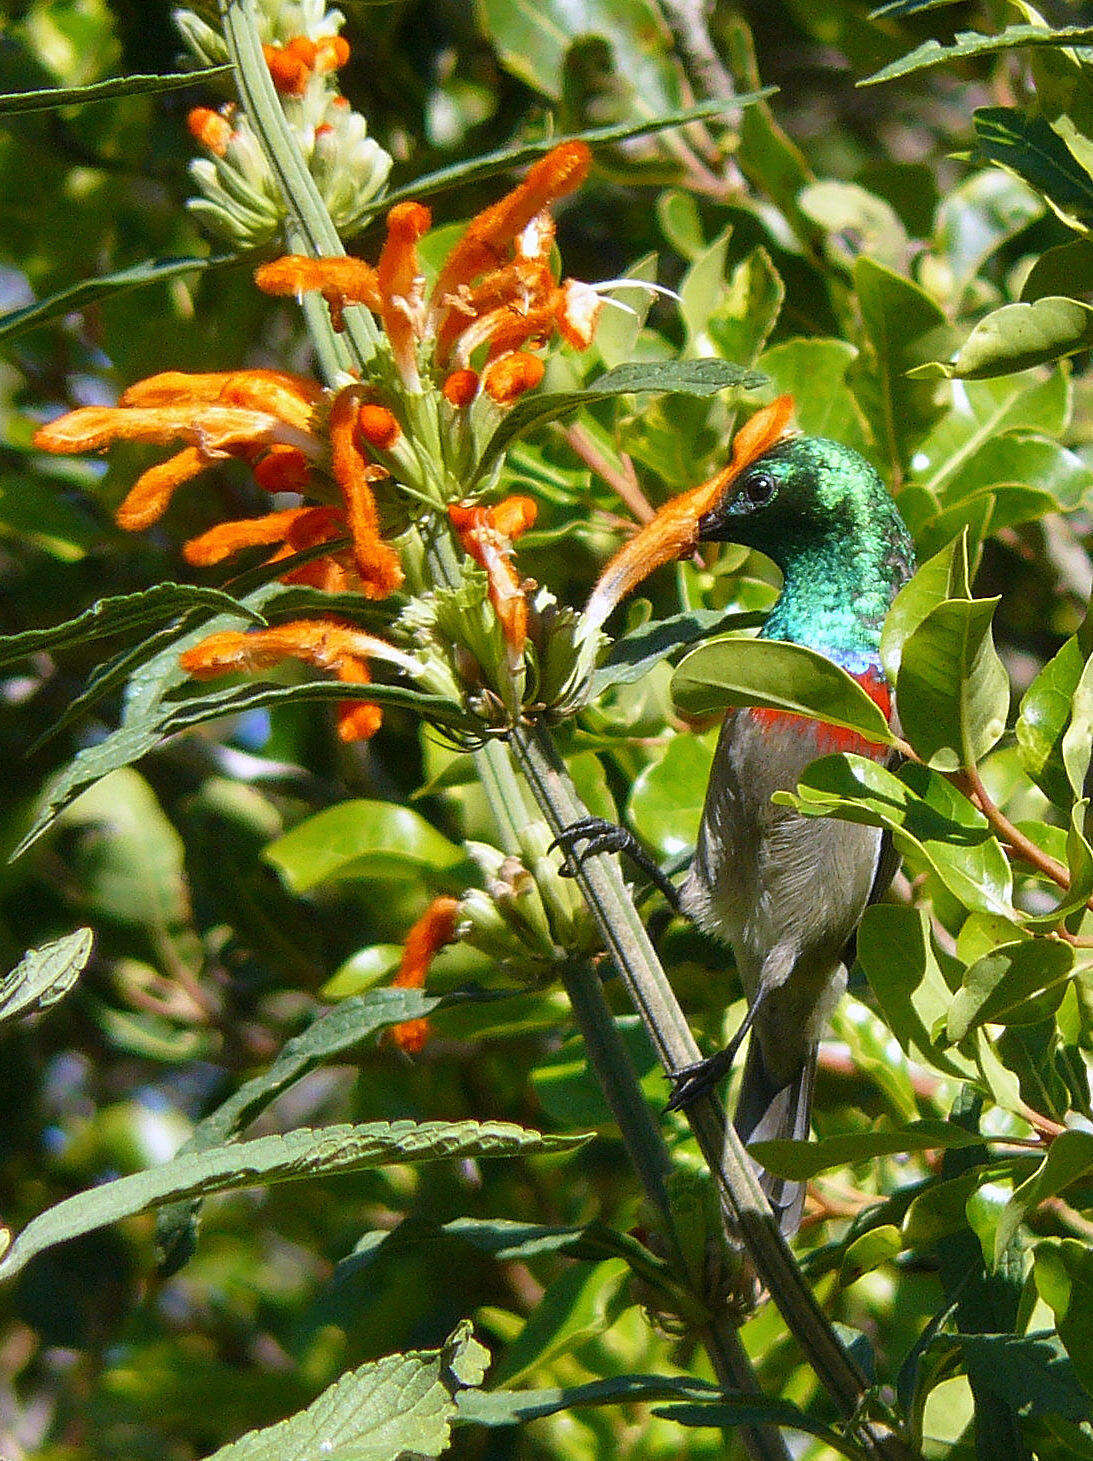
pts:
[603, 836]
[691, 1082]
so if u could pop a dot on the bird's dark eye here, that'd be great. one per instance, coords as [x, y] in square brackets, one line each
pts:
[757, 489]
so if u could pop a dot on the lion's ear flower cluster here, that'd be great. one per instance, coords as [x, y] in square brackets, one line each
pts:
[239, 198]
[291, 432]
[495, 300]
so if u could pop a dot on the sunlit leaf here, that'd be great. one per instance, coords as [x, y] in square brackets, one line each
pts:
[47, 98]
[46, 974]
[972, 43]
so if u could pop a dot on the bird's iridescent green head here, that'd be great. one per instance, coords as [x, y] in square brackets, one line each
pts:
[821, 512]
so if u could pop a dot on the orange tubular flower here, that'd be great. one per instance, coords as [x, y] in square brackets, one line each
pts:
[318, 642]
[673, 532]
[377, 561]
[433, 930]
[487, 534]
[211, 129]
[495, 291]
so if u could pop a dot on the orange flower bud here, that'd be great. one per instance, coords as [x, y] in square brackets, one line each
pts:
[210, 128]
[512, 516]
[290, 66]
[283, 469]
[331, 54]
[378, 426]
[461, 387]
[435, 928]
[512, 375]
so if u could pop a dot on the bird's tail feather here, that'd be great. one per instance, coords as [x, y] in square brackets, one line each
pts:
[768, 1109]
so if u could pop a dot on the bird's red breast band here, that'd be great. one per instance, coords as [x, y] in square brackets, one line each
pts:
[673, 532]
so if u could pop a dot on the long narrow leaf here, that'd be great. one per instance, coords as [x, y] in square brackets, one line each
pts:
[51, 97]
[508, 158]
[292, 1157]
[91, 291]
[972, 43]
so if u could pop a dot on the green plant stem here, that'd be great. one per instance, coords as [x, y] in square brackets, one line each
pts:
[742, 1198]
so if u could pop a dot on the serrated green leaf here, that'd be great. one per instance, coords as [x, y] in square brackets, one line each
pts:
[50, 97]
[705, 377]
[1069, 1158]
[336, 1033]
[46, 974]
[972, 43]
[384, 1410]
[122, 613]
[780, 676]
[292, 1157]
[106, 286]
[952, 689]
[1016, 337]
[509, 159]
[802, 1160]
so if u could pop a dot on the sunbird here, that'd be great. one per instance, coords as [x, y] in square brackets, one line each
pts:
[786, 893]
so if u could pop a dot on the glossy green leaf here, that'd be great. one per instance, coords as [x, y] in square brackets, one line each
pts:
[666, 800]
[1043, 719]
[1077, 741]
[1032, 148]
[855, 222]
[122, 613]
[1077, 854]
[904, 973]
[705, 377]
[1032, 1371]
[49, 97]
[873, 1249]
[46, 974]
[746, 308]
[768, 672]
[941, 577]
[1017, 983]
[902, 326]
[802, 1160]
[292, 1157]
[355, 838]
[635, 653]
[381, 1411]
[972, 43]
[1065, 269]
[1018, 336]
[106, 286]
[583, 1302]
[952, 689]
[929, 819]
[814, 373]
[1064, 1278]
[1069, 1158]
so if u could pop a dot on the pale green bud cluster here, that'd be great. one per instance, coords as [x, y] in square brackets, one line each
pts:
[238, 196]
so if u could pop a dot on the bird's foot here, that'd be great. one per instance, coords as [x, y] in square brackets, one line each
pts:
[691, 1082]
[600, 835]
